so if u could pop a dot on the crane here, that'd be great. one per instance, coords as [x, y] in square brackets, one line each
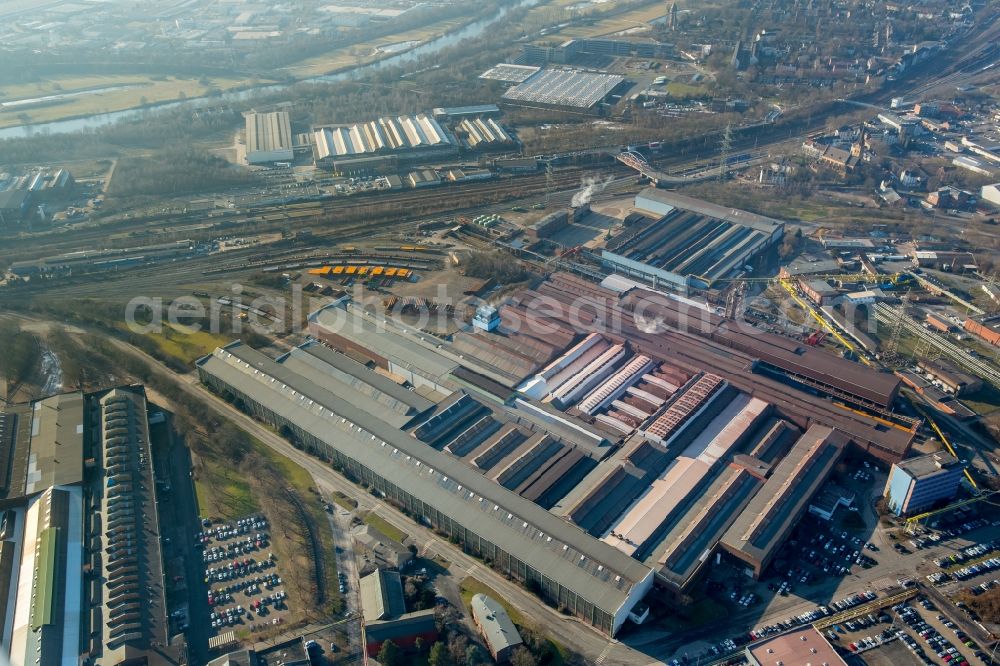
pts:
[895, 279]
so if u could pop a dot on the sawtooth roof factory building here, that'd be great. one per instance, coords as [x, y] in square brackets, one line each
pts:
[685, 243]
[404, 138]
[413, 458]
[79, 497]
[570, 89]
[587, 463]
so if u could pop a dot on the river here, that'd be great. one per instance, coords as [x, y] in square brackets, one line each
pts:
[435, 45]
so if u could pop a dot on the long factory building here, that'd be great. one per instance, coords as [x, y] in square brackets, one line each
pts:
[634, 452]
[416, 460]
[401, 137]
[685, 243]
[268, 138]
[564, 88]
[79, 496]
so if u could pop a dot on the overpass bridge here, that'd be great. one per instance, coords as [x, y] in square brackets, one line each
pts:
[637, 161]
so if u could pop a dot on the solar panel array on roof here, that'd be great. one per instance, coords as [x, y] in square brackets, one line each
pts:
[510, 73]
[565, 87]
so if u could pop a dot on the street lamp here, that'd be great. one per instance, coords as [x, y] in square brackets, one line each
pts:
[994, 651]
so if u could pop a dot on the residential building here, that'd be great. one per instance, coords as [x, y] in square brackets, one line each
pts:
[909, 179]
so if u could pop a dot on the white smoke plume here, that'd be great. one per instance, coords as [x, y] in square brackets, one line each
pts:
[649, 325]
[590, 186]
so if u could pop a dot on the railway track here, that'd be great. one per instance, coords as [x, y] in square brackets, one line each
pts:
[983, 49]
[272, 217]
[888, 315]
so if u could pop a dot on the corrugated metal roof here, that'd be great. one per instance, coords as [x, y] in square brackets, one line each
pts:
[558, 550]
[370, 334]
[267, 132]
[56, 450]
[772, 513]
[382, 595]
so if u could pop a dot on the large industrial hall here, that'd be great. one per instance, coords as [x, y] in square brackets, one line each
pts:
[591, 462]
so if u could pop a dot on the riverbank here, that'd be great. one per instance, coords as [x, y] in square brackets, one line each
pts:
[84, 96]
[114, 96]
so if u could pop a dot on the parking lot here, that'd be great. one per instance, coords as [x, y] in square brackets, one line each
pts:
[245, 587]
[933, 638]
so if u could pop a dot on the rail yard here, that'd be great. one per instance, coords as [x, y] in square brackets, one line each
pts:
[668, 333]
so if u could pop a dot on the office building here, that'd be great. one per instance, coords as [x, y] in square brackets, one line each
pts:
[920, 483]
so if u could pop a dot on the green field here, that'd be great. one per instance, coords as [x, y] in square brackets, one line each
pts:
[679, 89]
[143, 89]
[223, 493]
[361, 54]
[636, 18]
[383, 526]
[186, 346]
[342, 500]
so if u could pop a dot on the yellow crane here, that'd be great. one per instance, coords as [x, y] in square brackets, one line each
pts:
[790, 288]
[913, 521]
[944, 440]
[981, 495]
[896, 278]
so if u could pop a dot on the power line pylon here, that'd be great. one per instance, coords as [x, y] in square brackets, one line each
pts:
[725, 145]
[548, 182]
[735, 301]
[890, 352]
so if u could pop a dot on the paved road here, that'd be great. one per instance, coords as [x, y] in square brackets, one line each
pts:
[179, 522]
[644, 646]
[340, 525]
[569, 631]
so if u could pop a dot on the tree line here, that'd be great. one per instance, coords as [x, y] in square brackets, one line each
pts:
[176, 171]
[20, 353]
